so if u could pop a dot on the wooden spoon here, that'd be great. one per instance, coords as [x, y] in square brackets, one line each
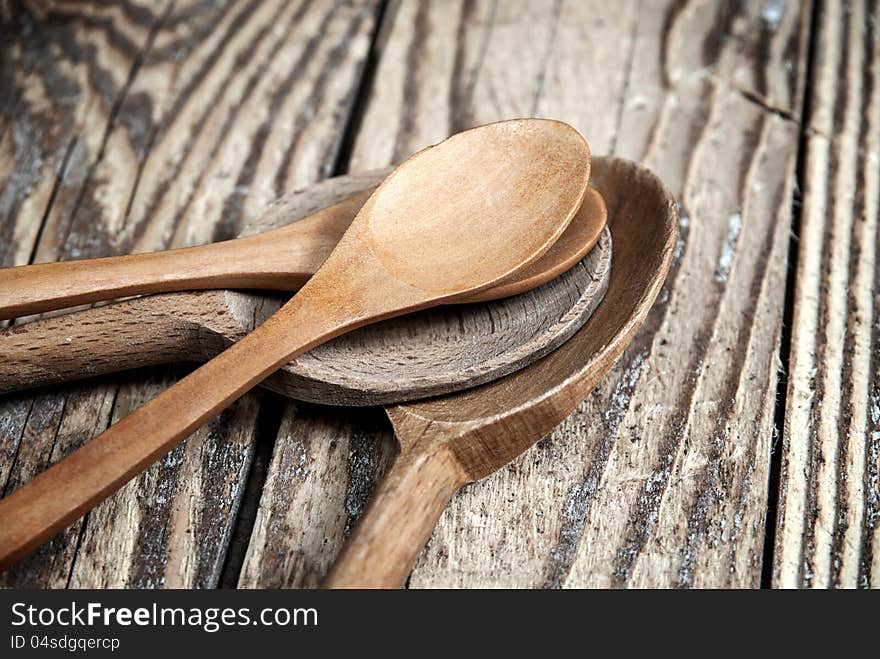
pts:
[454, 219]
[447, 442]
[423, 354]
[268, 255]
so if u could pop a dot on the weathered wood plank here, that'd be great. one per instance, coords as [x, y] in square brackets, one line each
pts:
[660, 477]
[829, 505]
[322, 471]
[183, 119]
[682, 500]
[49, 96]
[76, 71]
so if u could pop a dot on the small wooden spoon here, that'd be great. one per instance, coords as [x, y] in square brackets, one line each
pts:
[453, 219]
[447, 442]
[428, 353]
[269, 255]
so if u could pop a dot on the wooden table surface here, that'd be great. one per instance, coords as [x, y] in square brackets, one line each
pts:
[737, 443]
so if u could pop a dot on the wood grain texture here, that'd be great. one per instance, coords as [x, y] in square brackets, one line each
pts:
[660, 477]
[829, 505]
[321, 473]
[150, 126]
[693, 410]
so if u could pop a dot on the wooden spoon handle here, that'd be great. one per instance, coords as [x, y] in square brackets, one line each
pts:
[403, 512]
[45, 505]
[92, 342]
[33, 289]
[280, 259]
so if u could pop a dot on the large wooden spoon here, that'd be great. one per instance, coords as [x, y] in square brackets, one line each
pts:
[453, 440]
[275, 253]
[454, 219]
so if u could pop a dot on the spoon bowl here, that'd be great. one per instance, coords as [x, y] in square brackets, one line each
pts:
[276, 253]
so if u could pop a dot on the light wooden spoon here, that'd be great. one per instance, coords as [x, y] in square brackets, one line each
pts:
[269, 256]
[454, 219]
[447, 442]
[427, 353]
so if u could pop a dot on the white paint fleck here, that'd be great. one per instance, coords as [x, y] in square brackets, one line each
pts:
[734, 224]
[772, 13]
[656, 479]
[683, 224]
[639, 102]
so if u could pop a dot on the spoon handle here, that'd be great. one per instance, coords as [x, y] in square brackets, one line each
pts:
[108, 339]
[281, 259]
[402, 514]
[36, 511]
[31, 289]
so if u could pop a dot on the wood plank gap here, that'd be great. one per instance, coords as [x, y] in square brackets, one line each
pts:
[268, 425]
[775, 472]
[62, 171]
[79, 540]
[81, 532]
[358, 106]
[5, 489]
